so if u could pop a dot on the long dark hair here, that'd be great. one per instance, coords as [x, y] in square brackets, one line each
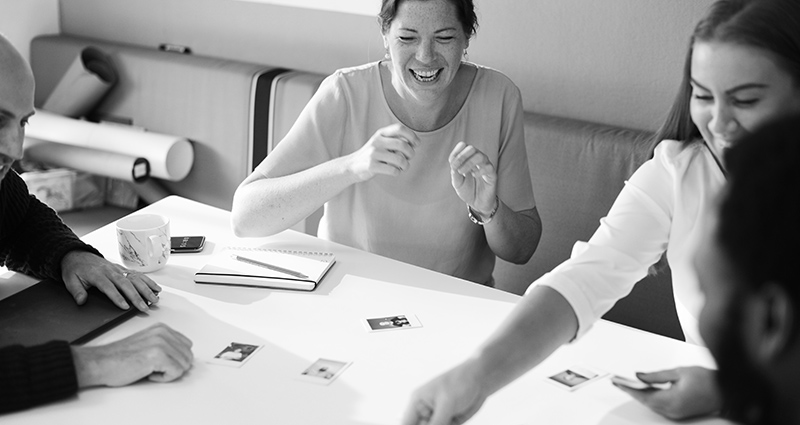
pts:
[771, 25]
[464, 8]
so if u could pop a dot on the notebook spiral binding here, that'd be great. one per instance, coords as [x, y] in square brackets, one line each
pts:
[283, 251]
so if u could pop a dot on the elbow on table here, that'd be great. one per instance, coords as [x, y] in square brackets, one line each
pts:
[249, 227]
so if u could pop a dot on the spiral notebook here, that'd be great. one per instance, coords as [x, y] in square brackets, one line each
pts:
[266, 268]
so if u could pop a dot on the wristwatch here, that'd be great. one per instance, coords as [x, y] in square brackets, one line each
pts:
[476, 218]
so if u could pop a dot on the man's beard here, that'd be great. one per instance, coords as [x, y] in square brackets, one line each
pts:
[747, 396]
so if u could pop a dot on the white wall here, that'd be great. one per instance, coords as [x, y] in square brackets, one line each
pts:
[610, 61]
[21, 20]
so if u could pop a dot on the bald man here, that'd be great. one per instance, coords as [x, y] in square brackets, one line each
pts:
[34, 241]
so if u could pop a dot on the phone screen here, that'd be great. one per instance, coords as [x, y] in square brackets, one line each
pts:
[187, 243]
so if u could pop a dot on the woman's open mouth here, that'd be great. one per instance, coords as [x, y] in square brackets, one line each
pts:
[426, 76]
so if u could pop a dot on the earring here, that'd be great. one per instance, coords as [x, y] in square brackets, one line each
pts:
[387, 56]
[466, 55]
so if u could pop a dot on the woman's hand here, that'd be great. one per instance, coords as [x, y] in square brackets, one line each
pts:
[451, 398]
[474, 178]
[693, 392]
[389, 151]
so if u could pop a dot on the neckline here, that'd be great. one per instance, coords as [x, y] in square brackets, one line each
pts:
[443, 126]
[716, 160]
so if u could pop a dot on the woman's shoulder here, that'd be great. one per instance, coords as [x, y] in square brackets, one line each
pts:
[352, 81]
[491, 77]
[366, 70]
[680, 155]
[493, 87]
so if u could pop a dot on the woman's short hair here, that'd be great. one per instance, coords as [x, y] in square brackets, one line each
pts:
[771, 25]
[464, 8]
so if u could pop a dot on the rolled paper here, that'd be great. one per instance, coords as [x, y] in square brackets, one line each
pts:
[170, 157]
[90, 76]
[93, 161]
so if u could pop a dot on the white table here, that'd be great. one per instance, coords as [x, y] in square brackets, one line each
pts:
[296, 328]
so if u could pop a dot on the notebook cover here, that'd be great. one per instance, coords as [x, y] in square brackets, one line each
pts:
[223, 270]
[46, 311]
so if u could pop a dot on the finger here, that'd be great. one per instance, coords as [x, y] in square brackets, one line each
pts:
[643, 396]
[417, 414]
[472, 165]
[397, 145]
[456, 178]
[183, 339]
[402, 132]
[76, 288]
[456, 150]
[662, 376]
[122, 283]
[443, 412]
[171, 343]
[144, 286]
[461, 157]
[154, 287]
[167, 372]
[110, 290]
[394, 159]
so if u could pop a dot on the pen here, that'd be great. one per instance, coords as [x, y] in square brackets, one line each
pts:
[269, 266]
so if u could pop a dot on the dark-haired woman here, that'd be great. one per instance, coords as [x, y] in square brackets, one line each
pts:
[742, 70]
[418, 157]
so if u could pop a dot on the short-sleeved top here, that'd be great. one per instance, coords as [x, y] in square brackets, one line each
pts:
[415, 217]
[663, 206]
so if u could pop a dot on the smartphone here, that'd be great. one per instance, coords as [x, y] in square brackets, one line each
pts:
[637, 384]
[182, 244]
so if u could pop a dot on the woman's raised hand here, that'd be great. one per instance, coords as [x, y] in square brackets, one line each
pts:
[389, 151]
[473, 177]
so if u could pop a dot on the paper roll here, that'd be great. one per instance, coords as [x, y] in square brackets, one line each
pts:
[101, 163]
[170, 157]
[85, 82]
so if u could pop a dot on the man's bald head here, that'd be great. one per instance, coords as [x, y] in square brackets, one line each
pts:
[16, 103]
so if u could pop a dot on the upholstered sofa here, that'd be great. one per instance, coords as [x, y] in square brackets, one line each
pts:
[577, 170]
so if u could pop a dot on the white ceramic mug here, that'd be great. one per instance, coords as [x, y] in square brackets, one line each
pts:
[143, 241]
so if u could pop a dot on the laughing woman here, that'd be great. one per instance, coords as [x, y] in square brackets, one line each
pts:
[418, 157]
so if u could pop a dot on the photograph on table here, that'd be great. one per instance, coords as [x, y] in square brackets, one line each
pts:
[575, 377]
[388, 323]
[235, 354]
[323, 371]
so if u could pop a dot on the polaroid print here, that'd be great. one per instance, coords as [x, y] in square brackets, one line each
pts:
[388, 323]
[323, 371]
[575, 377]
[235, 354]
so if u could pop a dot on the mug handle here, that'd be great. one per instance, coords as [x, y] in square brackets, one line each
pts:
[155, 241]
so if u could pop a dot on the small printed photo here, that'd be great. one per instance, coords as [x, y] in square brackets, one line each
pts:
[404, 321]
[324, 371]
[569, 378]
[235, 354]
[574, 377]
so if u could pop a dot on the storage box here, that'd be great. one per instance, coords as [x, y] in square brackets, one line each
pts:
[54, 187]
[63, 189]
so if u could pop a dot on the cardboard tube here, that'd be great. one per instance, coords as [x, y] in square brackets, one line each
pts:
[170, 157]
[101, 163]
[90, 76]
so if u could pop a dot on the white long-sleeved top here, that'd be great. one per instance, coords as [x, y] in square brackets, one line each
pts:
[662, 207]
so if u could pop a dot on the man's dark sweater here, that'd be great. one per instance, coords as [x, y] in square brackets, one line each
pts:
[34, 240]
